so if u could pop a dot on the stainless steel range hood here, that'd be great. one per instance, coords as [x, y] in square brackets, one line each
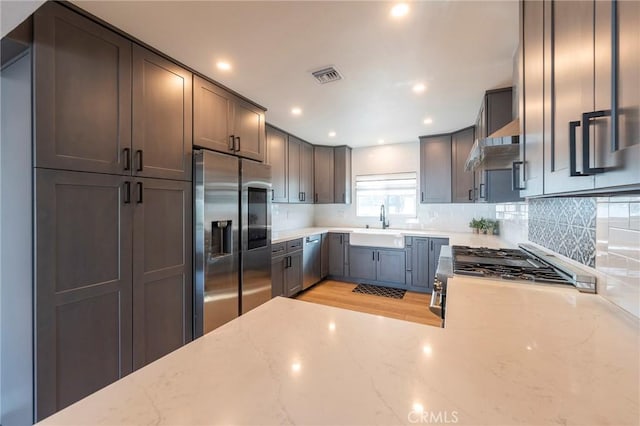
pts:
[498, 150]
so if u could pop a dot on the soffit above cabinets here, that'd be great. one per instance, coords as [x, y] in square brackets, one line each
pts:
[458, 50]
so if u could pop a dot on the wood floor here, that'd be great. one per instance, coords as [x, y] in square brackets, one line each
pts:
[412, 307]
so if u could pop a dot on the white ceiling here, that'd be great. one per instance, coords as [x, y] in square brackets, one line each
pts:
[458, 49]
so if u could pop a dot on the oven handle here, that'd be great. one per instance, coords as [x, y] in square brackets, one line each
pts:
[435, 305]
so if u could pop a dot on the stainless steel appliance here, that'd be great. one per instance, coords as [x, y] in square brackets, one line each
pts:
[232, 237]
[525, 265]
[311, 257]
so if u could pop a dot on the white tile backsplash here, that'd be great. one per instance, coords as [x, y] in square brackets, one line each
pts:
[444, 217]
[291, 216]
[618, 251]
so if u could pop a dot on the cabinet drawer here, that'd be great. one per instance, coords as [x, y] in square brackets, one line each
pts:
[278, 249]
[294, 245]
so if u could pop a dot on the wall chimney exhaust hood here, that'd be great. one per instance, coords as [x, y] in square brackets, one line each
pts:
[498, 150]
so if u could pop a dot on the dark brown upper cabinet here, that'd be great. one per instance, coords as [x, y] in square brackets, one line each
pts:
[495, 111]
[300, 171]
[591, 106]
[105, 105]
[82, 93]
[435, 169]
[225, 123]
[277, 157]
[323, 174]
[342, 174]
[461, 180]
[162, 108]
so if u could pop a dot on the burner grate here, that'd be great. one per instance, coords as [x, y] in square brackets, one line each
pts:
[508, 264]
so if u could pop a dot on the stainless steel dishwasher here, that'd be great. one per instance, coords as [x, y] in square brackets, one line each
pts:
[311, 261]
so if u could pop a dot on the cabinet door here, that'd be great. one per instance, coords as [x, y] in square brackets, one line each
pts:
[324, 256]
[323, 174]
[435, 245]
[211, 121]
[278, 264]
[295, 189]
[420, 263]
[336, 254]
[461, 180]
[342, 175]
[306, 172]
[83, 285]
[277, 157]
[293, 274]
[617, 88]
[498, 109]
[500, 186]
[362, 263]
[248, 129]
[162, 123]
[83, 85]
[572, 92]
[391, 266]
[435, 169]
[162, 284]
[532, 118]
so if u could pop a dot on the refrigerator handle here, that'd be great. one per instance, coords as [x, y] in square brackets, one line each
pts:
[273, 194]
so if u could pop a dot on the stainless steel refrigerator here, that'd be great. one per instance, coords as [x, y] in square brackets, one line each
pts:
[232, 226]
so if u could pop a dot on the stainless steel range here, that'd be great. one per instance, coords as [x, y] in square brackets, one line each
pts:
[527, 264]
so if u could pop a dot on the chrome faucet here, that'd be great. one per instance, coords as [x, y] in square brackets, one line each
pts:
[383, 218]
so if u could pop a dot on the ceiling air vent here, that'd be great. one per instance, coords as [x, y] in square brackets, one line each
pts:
[327, 75]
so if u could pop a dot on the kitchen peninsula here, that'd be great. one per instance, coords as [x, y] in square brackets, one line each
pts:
[510, 354]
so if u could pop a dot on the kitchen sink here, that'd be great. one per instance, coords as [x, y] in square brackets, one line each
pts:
[377, 238]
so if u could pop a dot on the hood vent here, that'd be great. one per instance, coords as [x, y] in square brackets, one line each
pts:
[327, 75]
[497, 151]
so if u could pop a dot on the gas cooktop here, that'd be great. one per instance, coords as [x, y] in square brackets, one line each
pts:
[508, 264]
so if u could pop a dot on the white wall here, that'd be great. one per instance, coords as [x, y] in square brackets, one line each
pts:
[397, 158]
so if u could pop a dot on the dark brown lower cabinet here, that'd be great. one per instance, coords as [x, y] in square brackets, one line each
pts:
[162, 284]
[113, 279]
[83, 285]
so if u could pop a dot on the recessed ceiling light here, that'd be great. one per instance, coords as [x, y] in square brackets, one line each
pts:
[332, 134]
[223, 66]
[296, 111]
[399, 10]
[419, 88]
[428, 120]
[380, 141]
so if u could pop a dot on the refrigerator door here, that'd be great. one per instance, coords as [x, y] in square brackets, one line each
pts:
[256, 234]
[217, 252]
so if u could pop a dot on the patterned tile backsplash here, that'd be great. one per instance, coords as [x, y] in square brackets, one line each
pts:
[566, 226]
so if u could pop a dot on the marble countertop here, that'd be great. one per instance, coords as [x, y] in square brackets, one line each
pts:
[457, 238]
[510, 354]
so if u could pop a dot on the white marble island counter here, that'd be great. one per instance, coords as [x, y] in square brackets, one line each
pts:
[510, 355]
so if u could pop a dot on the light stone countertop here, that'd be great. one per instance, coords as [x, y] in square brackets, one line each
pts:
[455, 238]
[510, 354]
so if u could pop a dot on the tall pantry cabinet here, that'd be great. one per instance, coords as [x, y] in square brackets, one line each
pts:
[113, 142]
